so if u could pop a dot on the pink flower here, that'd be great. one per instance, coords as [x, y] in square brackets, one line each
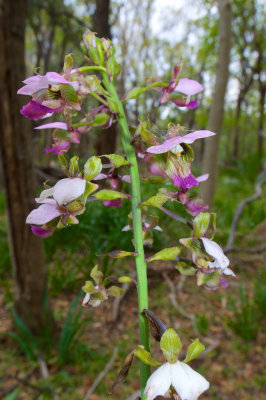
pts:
[63, 140]
[58, 208]
[173, 143]
[179, 91]
[50, 94]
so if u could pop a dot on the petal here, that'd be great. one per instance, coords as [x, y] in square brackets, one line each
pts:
[43, 214]
[214, 250]
[202, 178]
[58, 125]
[39, 231]
[188, 383]
[192, 104]
[189, 87]
[34, 110]
[166, 146]
[191, 137]
[68, 189]
[186, 182]
[86, 300]
[159, 382]
[228, 271]
[44, 194]
[58, 147]
[55, 79]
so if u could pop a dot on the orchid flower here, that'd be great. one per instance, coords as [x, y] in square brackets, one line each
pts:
[220, 261]
[176, 376]
[50, 94]
[173, 143]
[62, 140]
[179, 91]
[62, 207]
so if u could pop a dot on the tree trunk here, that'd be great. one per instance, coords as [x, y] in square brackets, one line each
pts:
[106, 141]
[211, 151]
[16, 154]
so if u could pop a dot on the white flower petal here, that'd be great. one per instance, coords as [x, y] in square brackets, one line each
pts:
[228, 271]
[214, 250]
[43, 214]
[68, 189]
[159, 382]
[44, 194]
[188, 383]
[86, 300]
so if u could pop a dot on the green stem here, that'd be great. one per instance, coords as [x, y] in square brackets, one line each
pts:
[137, 230]
[97, 97]
[91, 68]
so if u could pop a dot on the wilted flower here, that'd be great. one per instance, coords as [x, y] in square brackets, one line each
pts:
[61, 209]
[50, 94]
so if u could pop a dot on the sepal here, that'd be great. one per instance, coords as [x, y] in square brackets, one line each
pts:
[194, 350]
[170, 345]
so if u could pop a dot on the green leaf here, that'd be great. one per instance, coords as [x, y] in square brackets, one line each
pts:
[134, 93]
[121, 254]
[13, 395]
[166, 254]
[194, 350]
[116, 160]
[115, 291]
[88, 287]
[68, 64]
[90, 188]
[92, 83]
[112, 105]
[185, 269]
[96, 275]
[106, 194]
[156, 201]
[100, 119]
[146, 357]
[125, 279]
[74, 166]
[92, 168]
[170, 345]
[201, 224]
[112, 67]
[194, 245]
[69, 95]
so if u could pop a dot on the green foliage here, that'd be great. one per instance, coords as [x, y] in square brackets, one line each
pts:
[249, 313]
[71, 329]
[202, 324]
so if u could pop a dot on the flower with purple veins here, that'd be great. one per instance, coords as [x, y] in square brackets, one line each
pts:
[50, 94]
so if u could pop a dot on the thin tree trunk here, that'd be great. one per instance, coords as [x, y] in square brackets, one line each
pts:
[211, 151]
[16, 154]
[106, 141]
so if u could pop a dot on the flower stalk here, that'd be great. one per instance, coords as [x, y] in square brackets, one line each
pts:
[137, 229]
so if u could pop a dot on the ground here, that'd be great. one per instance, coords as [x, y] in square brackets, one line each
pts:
[234, 366]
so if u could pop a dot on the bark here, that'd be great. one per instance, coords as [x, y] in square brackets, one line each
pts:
[106, 141]
[26, 250]
[211, 151]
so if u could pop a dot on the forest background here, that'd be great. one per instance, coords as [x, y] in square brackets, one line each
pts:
[50, 347]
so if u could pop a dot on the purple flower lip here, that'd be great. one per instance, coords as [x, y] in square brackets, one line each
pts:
[36, 111]
[174, 141]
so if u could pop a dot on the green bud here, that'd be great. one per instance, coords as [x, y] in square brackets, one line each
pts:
[92, 168]
[68, 64]
[74, 166]
[170, 345]
[201, 224]
[112, 67]
[169, 253]
[146, 357]
[194, 350]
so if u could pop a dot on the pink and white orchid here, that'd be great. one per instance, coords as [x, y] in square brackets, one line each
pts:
[173, 143]
[50, 94]
[62, 194]
[220, 261]
[179, 91]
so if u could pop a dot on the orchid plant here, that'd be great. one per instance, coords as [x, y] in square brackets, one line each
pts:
[167, 156]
